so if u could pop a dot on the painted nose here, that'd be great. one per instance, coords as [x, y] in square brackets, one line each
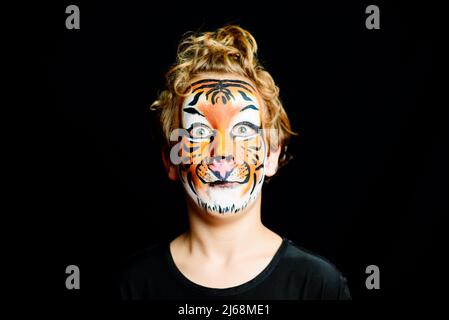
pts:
[222, 145]
[222, 166]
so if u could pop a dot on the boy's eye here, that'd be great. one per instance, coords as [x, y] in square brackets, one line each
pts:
[243, 130]
[201, 132]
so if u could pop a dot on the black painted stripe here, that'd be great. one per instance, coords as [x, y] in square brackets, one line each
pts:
[193, 111]
[251, 106]
[245, 96]
[254, 185]
[221, 80]
[195, 99]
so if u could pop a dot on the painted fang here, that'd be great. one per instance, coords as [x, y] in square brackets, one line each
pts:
[223, 148]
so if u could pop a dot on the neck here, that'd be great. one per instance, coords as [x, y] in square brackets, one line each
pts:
[224, 236]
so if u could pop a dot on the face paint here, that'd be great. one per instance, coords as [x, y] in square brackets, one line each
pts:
[224, 145]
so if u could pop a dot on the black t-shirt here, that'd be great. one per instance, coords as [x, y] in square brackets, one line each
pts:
[292, 274]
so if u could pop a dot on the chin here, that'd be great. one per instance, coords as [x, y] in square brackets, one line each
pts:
[226, 200]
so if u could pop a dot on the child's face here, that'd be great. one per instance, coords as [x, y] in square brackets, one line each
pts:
[225, 151]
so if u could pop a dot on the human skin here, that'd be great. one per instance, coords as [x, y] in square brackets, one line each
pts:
[226, 243]
[223, 146]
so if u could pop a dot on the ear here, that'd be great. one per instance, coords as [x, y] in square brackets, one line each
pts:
[172, 170]
[272, 162]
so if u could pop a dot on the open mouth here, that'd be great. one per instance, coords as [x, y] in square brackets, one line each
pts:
[223, 184]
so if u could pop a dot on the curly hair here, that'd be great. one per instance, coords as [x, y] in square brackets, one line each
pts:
[230, 49]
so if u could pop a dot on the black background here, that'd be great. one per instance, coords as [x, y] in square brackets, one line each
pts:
[368, 183]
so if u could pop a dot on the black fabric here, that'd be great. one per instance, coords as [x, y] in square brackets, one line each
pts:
[293, 273]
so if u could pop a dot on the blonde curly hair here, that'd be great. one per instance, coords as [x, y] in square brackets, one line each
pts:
[230, 49]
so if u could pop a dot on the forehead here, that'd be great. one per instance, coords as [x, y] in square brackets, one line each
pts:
[223, 89]
[220, 99]
[210, 91]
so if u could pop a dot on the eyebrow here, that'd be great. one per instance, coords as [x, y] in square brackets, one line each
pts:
[251, 106]
[193, 111]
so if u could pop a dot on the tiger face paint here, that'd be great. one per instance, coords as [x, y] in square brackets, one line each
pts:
[223, 148]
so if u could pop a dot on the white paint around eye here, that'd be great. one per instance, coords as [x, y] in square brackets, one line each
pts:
[188, 118]
[249, 115]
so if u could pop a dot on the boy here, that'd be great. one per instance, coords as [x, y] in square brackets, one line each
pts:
[226, 130]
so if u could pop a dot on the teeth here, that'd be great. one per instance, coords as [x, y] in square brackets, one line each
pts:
[224, 210]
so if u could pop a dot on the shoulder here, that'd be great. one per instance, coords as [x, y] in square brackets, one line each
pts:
[306, 260]
[139, 271]
[320, 277]
[150, 257]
